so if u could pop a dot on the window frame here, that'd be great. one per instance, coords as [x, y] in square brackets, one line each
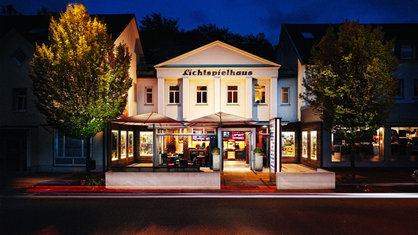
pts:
[260, 91]
[174, 94]
[149, 95]
[407, 51]
[62, 148]
[20, 100]
[400, 93]
[285, 94]
[232, 94]
[201, 95]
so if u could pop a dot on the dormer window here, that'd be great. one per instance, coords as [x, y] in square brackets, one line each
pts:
[19, 56]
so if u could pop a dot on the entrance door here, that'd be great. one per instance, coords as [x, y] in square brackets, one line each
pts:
[13, 150]
[236, 145]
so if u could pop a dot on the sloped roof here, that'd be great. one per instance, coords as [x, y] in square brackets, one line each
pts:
[36, 28]
[217, 54]
[304, 36]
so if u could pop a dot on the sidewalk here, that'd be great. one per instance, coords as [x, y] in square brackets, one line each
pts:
[366, 181]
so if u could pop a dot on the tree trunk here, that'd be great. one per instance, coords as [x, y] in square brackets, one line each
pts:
[88, 157]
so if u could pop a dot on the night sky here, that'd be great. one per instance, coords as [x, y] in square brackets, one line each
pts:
[244, 16]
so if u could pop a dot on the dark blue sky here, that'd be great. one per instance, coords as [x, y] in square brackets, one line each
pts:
[245, 16]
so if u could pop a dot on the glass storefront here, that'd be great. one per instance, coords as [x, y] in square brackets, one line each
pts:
[122, 145]
[368, 147]
[404, 143]
[309, 146]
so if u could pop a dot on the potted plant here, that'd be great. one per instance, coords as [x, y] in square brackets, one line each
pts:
[258, 157]
[216, 158]
[216, 151]
[258, 151]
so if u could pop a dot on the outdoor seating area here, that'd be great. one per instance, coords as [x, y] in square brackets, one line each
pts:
[177, 162]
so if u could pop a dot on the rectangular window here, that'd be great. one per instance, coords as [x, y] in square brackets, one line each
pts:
[407, 51]
[148, 95]
[416, 88]
[69, 151]
[400, 92]
[115, 145]
[285, 95]
[19, 99]
[232, 94]
[304, 144]
[130, 144]
[201, 95]
[174, 95]
[146, 143]
[123, 144]
[260, 94]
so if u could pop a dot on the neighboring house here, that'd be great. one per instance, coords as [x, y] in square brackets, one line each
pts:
[27, 143]
[395, 144]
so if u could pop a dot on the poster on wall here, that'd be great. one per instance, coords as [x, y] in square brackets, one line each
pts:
[313, 144]
[304, 144]
[288, 143]
[146, 143]
[123, 144]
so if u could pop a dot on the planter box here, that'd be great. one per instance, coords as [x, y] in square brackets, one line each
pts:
[321, 179]
[163, 180]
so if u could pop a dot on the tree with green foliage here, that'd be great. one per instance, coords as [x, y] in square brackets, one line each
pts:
[349, 81]
[80, 79]
[162, 39]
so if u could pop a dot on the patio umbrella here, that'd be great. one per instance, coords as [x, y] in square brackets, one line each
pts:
[150, 119]
[221, 118]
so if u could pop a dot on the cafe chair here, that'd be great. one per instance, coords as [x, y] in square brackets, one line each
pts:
[164, 158]
[171, 162]
[194, 164]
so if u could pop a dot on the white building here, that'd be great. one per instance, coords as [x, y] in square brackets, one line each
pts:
[215, 90]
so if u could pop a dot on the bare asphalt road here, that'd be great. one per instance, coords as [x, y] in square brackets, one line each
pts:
[200, 215]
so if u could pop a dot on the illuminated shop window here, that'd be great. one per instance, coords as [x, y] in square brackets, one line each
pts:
[123, 144]
[260, 94]
[367, 148]
[130, 144]
[145, 143]
[304, 144]
[201, 94]
[404, 144]
[288, 144]
[314, 146]
[115, 145]
[174, 95]
[232, 94]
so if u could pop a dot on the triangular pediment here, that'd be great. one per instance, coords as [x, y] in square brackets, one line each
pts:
[217, 54]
